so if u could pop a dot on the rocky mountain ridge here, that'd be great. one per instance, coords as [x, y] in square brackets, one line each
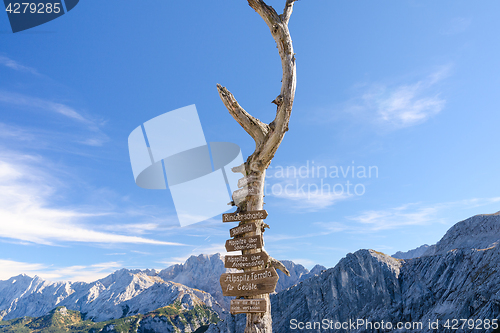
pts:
[123, 293]
[128, 292]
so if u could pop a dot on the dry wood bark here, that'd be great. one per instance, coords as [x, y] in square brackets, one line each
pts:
[267, 138]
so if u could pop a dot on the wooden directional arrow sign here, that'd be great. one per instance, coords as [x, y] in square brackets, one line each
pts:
[245, 216]
[246, 260]
[249, 283]
[244, 243]
[248, 305]
[242, 229]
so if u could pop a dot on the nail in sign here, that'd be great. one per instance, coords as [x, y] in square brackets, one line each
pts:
[249, 283]
[245, 216]
[244, 243]
[246, 260]
[248, 305]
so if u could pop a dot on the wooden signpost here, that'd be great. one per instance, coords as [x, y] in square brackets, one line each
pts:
[248, 305]
[242, 229]
[251, 215]
[249, 283]
[244, 243]
[246, 260]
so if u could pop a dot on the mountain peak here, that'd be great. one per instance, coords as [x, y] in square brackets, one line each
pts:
[477, 232]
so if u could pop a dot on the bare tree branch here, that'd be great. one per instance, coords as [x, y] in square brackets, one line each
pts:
[253, 126]
[277, 264]
[287, 12]
[279, 30]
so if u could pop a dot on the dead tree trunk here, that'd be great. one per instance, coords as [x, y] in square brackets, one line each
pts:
[267, 139]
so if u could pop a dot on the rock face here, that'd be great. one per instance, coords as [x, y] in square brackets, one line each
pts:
[415, 253]
[477, 232]
[123, 293]
[458, 280]
[201, 272]
[298, 273]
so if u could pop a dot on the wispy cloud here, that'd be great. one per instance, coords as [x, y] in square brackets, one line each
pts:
[416, 213]
[410, 214]
[16, 133]
[405, 215]
[456, 26]
[311, 199]
[133, 228]
[81, 273]
[16, 66]
[13, 268]
[308, 263]
[26, 213]
[401, 105]
[33, 103]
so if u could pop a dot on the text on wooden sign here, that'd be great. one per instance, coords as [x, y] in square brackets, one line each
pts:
[249, 283]
[248, 305]
[244, 243]
[246, 260]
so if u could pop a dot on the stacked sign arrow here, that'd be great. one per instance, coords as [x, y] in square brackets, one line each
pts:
[252, 282]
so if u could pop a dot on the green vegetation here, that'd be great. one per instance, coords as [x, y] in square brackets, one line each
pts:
[62, 320]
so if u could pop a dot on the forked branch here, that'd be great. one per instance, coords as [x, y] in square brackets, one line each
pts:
[287, 12]
[269, 137]
[253, 126]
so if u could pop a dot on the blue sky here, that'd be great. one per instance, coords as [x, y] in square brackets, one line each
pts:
[409, 88]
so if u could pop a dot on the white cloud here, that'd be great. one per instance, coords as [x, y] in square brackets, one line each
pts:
[97, 138]
[308, 263]
[133, 228]
[413, 214]
[401, 105]
[81, 273]
[15, 132]
[409, 214]
[312, 200]
[16, 66]
[13, 268]
[26, 214]
[33, 102]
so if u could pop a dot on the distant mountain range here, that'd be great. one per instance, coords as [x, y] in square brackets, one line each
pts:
[172, 318]
[455, 279]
